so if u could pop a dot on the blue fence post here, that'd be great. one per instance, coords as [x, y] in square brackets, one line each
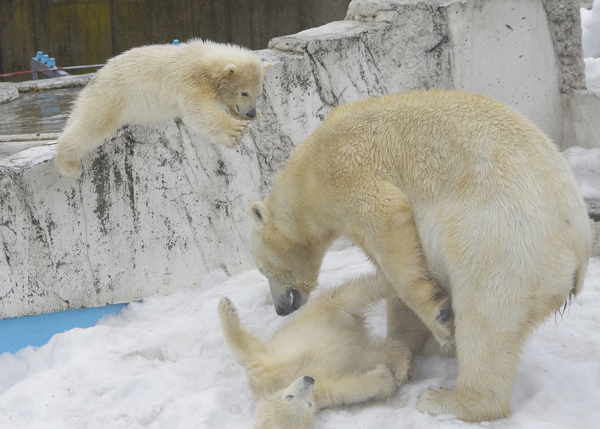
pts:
[43, 61]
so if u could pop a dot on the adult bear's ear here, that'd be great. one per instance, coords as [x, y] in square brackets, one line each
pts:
[259, 212]
[267, 66]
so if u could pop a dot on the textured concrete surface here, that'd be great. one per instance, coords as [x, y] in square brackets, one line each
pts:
[582, 119]
[158, 207]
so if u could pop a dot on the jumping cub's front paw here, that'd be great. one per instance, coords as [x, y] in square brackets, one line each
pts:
[70, 169]
[234, 136]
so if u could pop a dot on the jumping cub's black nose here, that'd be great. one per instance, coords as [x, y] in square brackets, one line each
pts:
[308, 379]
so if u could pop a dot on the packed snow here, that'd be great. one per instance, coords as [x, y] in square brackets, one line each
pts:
[590, 23]
[585, 164]
[162, 362]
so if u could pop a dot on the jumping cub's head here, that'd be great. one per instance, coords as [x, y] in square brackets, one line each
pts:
[293, 407]
[238, 79]
[291, 265]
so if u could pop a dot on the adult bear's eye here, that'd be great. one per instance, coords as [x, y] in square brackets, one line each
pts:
[244, 93]
[289, 397]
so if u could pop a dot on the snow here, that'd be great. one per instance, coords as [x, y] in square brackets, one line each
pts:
[162, 363]
[590, 23]
[585, 164]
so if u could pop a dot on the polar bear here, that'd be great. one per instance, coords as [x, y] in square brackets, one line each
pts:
[323, 357]
[450, 194]
[199, 81]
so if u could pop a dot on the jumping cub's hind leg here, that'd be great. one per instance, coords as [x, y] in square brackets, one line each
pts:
[377, 383]
[85, 131]
[242, 342]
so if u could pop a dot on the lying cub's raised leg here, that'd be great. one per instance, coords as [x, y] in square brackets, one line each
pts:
[243, 343]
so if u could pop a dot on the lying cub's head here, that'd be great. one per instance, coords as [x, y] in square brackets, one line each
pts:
[293, 407]
[291, 266]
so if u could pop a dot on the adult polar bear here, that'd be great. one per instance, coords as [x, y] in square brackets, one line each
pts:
[213, 86]
[446, 184]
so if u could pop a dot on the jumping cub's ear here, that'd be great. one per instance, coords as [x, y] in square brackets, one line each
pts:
[230, 69]
[259, 212]
[267, 66]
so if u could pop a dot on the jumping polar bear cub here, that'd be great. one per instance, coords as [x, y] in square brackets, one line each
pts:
[322, 357]
[199, 81]
[453, 195]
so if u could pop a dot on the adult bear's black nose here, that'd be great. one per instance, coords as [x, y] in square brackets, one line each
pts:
[288, 303]
[251, 113]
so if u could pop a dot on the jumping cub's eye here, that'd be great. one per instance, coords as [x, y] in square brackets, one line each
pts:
[289, 397]
[244, 93]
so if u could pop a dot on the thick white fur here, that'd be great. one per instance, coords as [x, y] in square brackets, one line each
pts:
[199, 81]
[436, 185]
[327, 341]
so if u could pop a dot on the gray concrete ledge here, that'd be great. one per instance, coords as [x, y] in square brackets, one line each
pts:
[11, 91]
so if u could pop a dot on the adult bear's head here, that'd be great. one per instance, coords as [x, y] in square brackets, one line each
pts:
[290, 263]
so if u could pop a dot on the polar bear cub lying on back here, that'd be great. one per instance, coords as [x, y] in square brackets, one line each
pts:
[322, 357]
[199, 81]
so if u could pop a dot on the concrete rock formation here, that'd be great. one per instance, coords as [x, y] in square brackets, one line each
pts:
[159, 207]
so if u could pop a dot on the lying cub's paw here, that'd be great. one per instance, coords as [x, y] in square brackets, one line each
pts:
[226, 309]
[386, 382]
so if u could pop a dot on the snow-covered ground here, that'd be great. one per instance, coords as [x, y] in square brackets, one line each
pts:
[585, 163]
[162, 363]
[590, 22]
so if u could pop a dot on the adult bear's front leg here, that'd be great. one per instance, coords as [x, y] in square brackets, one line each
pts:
[393, 242]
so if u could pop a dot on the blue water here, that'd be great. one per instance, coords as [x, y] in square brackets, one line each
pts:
[37, 330]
